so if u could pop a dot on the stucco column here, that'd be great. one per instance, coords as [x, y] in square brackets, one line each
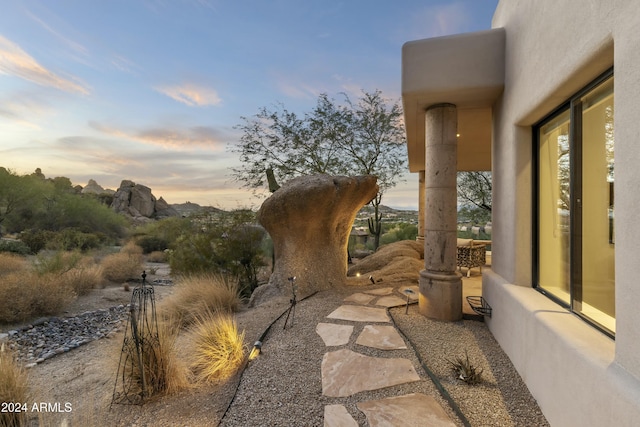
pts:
[440, 283]
[421, 207]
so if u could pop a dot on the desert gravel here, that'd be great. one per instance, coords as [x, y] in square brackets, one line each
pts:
[283, 386]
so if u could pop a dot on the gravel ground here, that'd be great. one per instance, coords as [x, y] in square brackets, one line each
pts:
[283, 386]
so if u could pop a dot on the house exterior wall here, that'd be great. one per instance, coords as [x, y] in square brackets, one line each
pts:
[578, 375]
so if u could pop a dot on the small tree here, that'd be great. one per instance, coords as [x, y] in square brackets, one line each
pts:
[474, 188]
[363, 138]
[231, 243]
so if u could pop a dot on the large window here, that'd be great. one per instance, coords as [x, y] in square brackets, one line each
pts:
[574, 256]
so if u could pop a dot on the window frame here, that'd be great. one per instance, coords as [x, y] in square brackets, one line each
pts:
[574, 106]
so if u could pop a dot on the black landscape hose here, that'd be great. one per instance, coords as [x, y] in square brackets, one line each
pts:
[260, 340]
[443, 391]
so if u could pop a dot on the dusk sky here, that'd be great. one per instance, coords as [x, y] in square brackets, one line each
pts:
[150, 90]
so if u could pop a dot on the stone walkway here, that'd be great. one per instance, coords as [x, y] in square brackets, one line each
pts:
[346, 372]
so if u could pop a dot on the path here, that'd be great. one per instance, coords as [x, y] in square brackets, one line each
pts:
[346, 372]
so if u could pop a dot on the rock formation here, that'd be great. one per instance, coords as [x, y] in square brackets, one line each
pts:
[93, 187]
[137, 201]
[309, 219]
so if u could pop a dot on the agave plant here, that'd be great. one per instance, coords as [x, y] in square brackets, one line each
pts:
[465, 370]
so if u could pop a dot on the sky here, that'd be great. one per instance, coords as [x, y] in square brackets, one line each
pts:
[152, 90]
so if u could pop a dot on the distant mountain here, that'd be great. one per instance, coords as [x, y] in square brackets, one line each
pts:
[188, 208]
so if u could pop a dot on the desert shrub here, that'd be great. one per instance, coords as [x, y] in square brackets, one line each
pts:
[10, 263]
[13, 387]
[71, 239]
[24, 295]
[195, 295]
[219, 350]
[158, 256]
[164, 372]
[36, 240]
[71, 269]
[83, 279]
[167, 229]
[56, 263]
[122, 266]
[131, 248]
[14, 246]
[232, 244]
[152, 244]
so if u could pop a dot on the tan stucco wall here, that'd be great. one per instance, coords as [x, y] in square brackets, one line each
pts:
[554, 48]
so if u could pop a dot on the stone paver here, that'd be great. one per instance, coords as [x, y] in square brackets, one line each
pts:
[391, 301]
[381, 291]
[358, 313]
[345, 373]
[338, 416]
[333, 334]
[383, 337]
[360, 298]
[412, 410]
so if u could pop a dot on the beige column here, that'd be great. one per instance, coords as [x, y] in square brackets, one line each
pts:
[440, 283]
[420, 236]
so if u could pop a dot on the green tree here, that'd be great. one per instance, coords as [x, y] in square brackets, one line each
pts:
[474, 188]
[362, 138]
[229, 243]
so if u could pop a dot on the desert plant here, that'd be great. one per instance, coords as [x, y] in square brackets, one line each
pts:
[131, 248]
[158, 256]
[195, 295]
[164, 372]
[26, 294]
[151, 244]
[13, 388]
[465, 370]
[83, 279]
[57, 262]
[14, 246]
[219, 348]
[10, 263]
[122, 266]
[231, 243]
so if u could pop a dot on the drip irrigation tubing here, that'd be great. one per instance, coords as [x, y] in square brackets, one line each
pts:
[261, 339]
[443, 391]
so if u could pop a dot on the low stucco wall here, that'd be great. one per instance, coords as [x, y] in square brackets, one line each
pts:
[567, 365]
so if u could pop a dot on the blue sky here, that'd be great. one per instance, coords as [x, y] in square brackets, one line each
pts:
[150, 90]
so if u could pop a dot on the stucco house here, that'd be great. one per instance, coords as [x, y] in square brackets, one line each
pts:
[548, 100]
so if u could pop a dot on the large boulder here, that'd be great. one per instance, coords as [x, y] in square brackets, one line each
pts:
[137, 201]
[309, 220]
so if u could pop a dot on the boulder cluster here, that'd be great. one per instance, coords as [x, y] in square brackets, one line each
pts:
[137, 201]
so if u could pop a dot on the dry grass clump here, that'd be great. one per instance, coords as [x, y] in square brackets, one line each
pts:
[83, 279]
[26, 294]
[72, 270]
[131, 248]
[10, 263]
[158, 256]
[196, 295]
[13, 387]
[164, 372]
[122, 266]
[219, 348]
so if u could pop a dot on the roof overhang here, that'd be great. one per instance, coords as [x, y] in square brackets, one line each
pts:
[464, 69]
